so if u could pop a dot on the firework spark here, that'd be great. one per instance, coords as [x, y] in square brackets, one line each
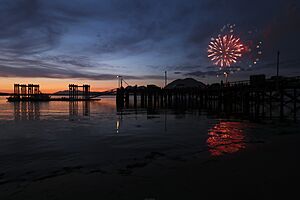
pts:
[225, 50]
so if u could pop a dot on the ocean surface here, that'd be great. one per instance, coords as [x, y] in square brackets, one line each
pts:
[39, 140]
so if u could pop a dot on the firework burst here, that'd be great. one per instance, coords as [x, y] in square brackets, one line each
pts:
[225, 50]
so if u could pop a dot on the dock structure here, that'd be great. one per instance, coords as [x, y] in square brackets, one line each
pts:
[26, 91]
[75, 93]
[31, 92]
[258, 97]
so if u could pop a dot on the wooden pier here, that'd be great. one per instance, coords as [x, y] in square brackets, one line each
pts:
[258, 97]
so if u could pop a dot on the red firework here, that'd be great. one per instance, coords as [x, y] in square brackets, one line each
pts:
[225, 50]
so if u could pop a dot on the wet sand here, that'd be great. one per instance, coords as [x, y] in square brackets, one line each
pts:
[265, 170]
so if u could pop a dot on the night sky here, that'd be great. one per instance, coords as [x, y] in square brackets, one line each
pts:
[95, 40]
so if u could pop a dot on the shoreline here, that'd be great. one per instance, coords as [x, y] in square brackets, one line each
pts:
[231, 175]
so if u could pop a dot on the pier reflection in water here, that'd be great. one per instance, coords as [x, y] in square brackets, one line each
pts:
[226, 137]
[32, 110]
[26, 110]
[54, 143]
[74, 109]
[86, 107]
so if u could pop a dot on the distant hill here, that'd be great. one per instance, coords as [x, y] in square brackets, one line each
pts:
[185, 83]
[4, 94]
[109, 92]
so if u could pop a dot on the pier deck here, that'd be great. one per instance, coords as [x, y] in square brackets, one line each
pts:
[257, 98]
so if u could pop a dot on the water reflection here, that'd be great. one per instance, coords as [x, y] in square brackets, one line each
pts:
[26, 111]
[74, 109]
[226, 137]
[86, 107]
[118, 124]
[119, 121]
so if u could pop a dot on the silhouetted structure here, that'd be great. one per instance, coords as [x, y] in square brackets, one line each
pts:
[75, 94]
[30, 92]
[22, 90]
[257, 98]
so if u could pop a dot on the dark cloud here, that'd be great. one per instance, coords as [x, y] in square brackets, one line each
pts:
[282, 33]
[181, 67]
[39, 38]
[286, 64]
[20, 67]
[202, 73]
[26, 28]
[215, 72]
[77, 61]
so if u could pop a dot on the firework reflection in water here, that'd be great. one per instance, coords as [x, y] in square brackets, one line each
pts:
[226, 137]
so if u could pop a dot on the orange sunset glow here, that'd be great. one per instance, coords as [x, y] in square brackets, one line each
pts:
[53, 85]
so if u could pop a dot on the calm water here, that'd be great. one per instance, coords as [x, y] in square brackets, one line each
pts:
[46, 139]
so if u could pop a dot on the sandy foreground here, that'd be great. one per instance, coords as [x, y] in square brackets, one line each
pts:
[264, 171]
